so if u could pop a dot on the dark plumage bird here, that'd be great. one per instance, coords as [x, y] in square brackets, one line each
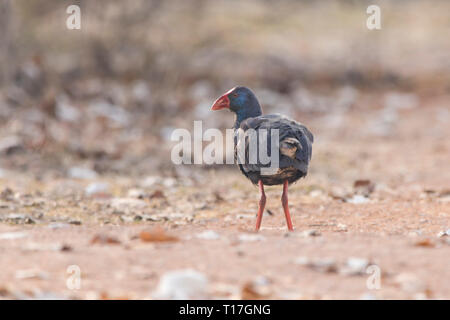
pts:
[294, 145]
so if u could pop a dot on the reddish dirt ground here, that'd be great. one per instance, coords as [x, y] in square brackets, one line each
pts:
[400, 226]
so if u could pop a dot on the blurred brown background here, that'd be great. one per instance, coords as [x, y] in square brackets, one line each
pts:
[85, 171]
[116, 88]
[111, 93]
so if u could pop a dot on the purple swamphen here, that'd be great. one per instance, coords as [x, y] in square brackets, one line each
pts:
[294, 145]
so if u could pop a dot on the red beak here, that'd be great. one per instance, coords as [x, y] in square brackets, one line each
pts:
[222, 102]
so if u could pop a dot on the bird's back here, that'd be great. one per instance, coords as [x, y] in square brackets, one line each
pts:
[294, 146]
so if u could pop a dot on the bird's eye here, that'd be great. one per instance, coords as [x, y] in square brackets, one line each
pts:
[235, 95]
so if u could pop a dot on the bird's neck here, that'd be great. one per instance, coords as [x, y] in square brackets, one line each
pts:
[245, 113]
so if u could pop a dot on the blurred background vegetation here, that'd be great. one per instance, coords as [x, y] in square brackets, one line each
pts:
[115, 89]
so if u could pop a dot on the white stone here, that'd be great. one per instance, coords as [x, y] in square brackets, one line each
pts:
[181, 285]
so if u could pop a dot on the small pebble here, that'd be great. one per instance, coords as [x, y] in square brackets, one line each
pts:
[181, 285]
[208, 235]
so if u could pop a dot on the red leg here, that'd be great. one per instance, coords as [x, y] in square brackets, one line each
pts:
[284, 201]
[262, 204]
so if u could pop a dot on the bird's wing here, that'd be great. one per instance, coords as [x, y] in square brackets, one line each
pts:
[294, 143]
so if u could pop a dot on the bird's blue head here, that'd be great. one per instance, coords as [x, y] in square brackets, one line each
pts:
[240, 100]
